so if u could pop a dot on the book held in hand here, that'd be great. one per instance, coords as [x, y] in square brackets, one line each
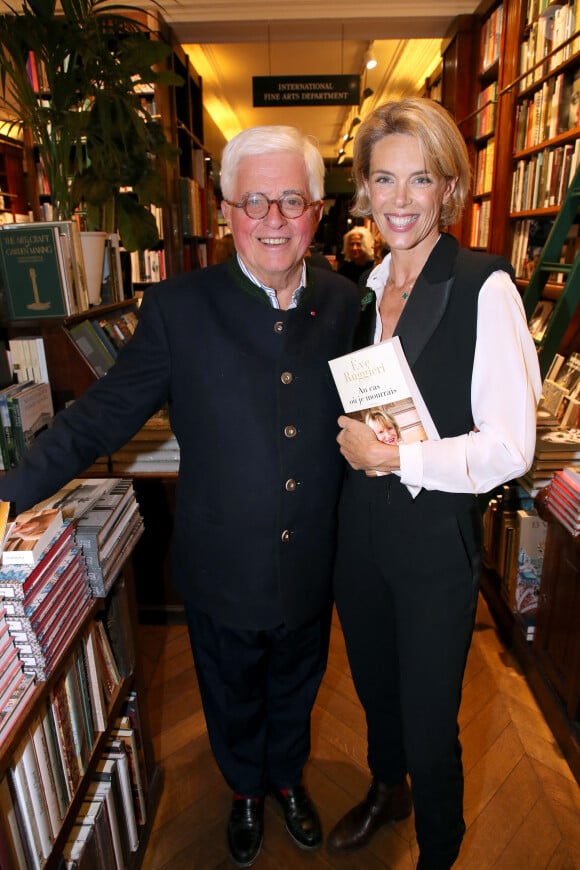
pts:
[376, 386]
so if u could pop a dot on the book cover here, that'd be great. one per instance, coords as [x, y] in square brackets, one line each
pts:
[44, 763]
[107, 777]
[125, 732]
[116, 751]
[19, 581]
[531, 547]
[31, 411]
[29, 535]
[34, 285]
[376, 386]
[64, 736]
[62, 795]
[26, 812]
[78, 496]
[378, 378]
[92, 348]
[7, 444]
[93, 813]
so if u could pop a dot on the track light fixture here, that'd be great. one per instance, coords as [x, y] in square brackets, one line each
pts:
[340, 158]
[354, 123]
[368, 92]
[370, 59]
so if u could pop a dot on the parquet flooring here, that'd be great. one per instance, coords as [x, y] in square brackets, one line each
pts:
[522, 803]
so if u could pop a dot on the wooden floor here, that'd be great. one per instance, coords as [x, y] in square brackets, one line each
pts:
[522, 804]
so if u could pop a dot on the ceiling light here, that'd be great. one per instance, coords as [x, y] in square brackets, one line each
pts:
[347, 138]
[370, 59]
[340, 159]
[368, 92]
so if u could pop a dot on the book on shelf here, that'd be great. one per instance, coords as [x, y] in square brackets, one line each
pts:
[28, 357]
[108, 774]
[46, 774]
[93, 814]
[124, 731]
[91, 346]
[71, 258]
[29, 535]
[95, 678]
[31, 412]
[117, 752]
[7, 445]
[14, 855]
[530, 558]
[104, 791]
[30, 796]
[377, 387]
[65, 740]
[80, 850]
[32, 271]
[111, 677]
[540, 318]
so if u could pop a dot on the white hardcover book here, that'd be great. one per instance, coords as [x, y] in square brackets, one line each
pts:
[379, 377]
[24, 798]
[46, 773]
[377, 387]
[117, 751]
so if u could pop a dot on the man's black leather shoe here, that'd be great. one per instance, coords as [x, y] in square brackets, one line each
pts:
[302, 821]
[383, 804]
[246, 830]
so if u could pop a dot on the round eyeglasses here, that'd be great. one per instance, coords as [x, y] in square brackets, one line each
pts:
[257, 205]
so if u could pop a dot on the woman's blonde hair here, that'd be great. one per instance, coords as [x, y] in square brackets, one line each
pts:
[442, 144]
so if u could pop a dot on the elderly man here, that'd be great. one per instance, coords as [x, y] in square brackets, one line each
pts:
[239, 351]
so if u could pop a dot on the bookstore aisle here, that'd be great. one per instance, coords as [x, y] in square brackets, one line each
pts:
[522, 803]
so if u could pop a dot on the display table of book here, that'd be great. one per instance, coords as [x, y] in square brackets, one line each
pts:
[78, 781]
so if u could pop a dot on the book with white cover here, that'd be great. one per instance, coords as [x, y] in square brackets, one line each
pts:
[378, 378]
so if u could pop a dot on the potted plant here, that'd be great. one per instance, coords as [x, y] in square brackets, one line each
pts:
[73, 78]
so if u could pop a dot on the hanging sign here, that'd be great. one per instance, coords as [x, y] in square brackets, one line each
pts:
[306, 91]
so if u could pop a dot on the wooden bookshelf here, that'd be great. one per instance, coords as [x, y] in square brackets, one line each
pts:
[129, 682]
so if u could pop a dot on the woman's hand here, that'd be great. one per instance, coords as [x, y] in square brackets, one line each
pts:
[362, 449]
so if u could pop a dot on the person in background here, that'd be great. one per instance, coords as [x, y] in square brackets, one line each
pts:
[358, 253]
[224, 248]
[409, 550]
[254, 531]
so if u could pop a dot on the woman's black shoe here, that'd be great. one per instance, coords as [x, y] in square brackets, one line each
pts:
[246, 830]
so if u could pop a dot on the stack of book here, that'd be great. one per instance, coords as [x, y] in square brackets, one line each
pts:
[153, 450]
[563, 500]
[555, 449]
[15, 685]
[107, 522]
[45, 594]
